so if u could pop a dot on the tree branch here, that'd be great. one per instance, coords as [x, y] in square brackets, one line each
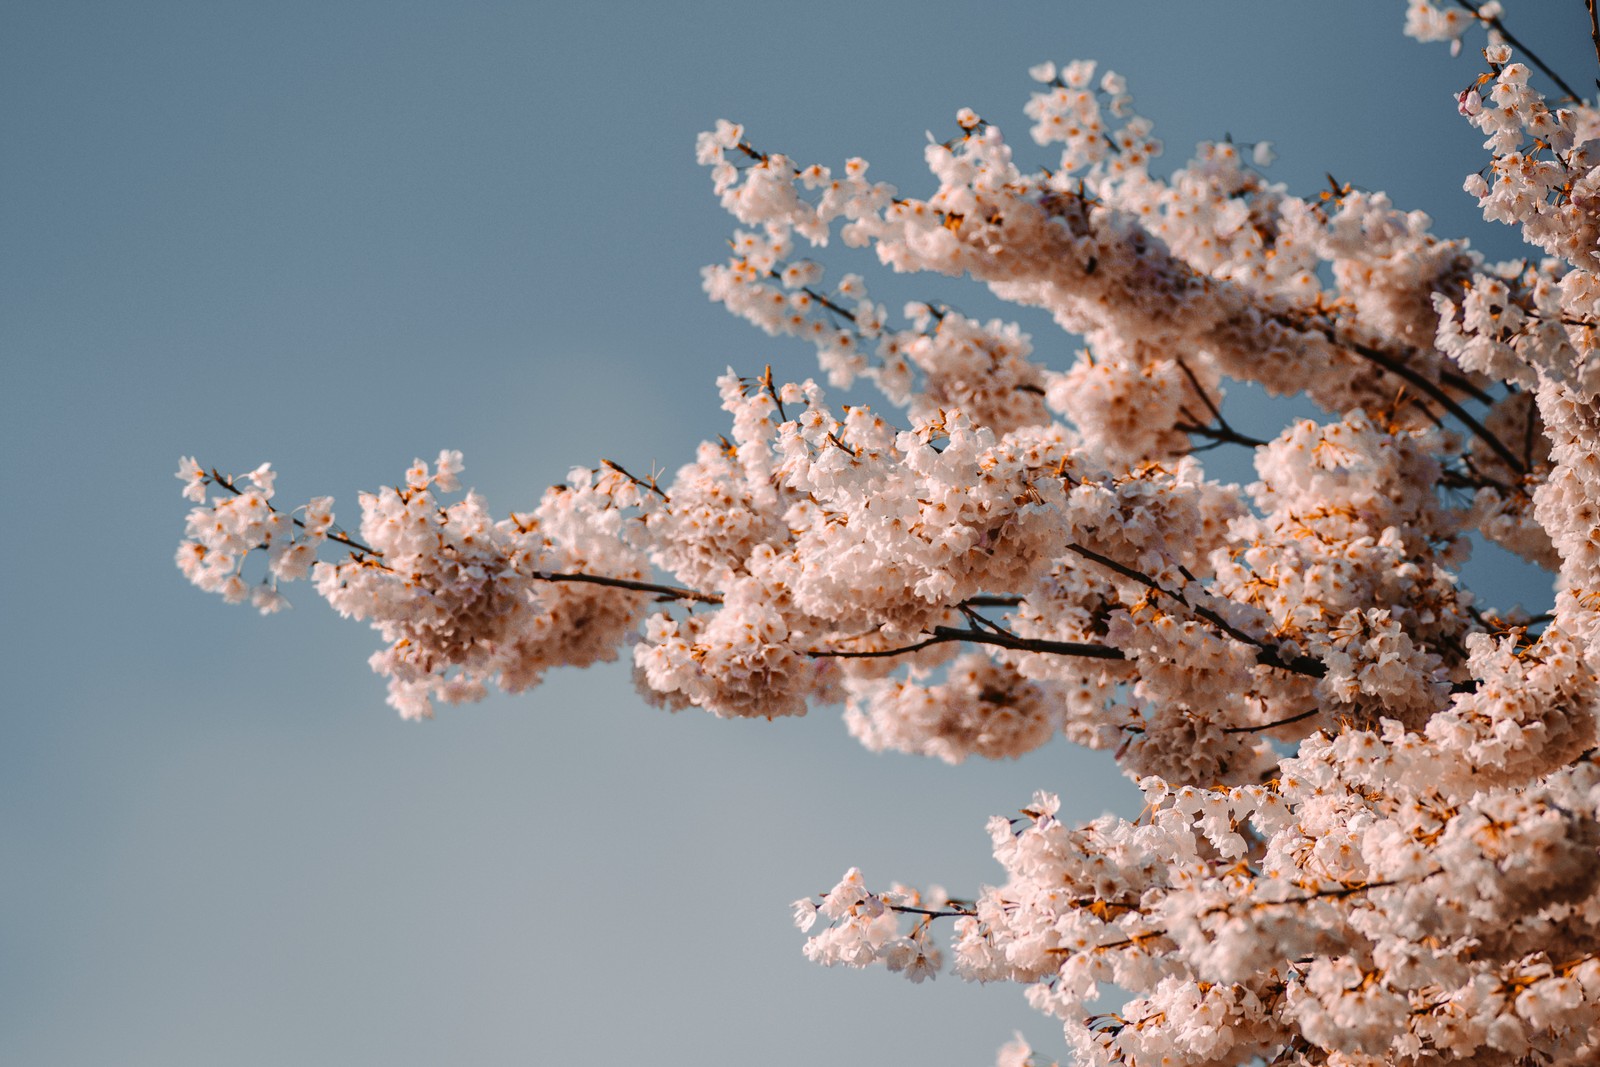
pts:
[663, 592]
[1029, 644]
[953, 912]
[1222, 435]
[1338, 893]
[1267, 654]
[987, 601]
[1266, 657]
[1462, 384]
[1304, 715]
[349, 542]
[876, 653]
[1398, 368]
[649, 486]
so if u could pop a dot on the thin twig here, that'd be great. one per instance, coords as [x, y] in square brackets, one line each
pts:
[1029, 644]
[1270, 725]
[664, 592]
[772, 391]
[1222, 435]
[991, 601]
[947, 634]
[828, 303]
[1267, 654]
[1201, 393]
[953, 912]
[876, 653]
[1438, 395]
[1462, 384]
[1454, 479]
[1266, 657]
[979, 621]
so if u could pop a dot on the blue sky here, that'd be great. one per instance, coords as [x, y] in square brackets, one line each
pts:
[339, 235]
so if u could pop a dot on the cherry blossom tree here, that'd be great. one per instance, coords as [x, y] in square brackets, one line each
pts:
[1371, 830]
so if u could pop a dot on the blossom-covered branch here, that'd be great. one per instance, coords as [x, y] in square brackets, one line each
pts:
[1372, 822]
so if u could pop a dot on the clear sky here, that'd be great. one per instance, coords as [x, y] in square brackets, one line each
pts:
[337, 235]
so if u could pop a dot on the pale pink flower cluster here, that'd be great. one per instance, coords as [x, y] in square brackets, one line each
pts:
[1372, 823]
[1428, 21]
[1543, 177]
[865, 928]
[1077, 110]
[985, 709]
[239, 522]
[461, 599]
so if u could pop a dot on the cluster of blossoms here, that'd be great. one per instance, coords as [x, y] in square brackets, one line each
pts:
[1372, 821]
[866, 927]
[1427, 21]
[243, 521]
[460, 598]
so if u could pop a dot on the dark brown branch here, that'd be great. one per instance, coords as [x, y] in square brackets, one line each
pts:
[772, 391]
[991, 601]
[929, 912]
[1029, 644]
[875, 653]
[820, 298]
[349, 542]
[1417, 402]
[1266, 654]
[972, 616]
[1222, 435]
[1323, 894]
[1205, 398]
[828, 304]
[1271, 725]
[1462, 384]
[1439, 396]
[663, 592]
[1454, 479]
[946, 634]
[1527, 440]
